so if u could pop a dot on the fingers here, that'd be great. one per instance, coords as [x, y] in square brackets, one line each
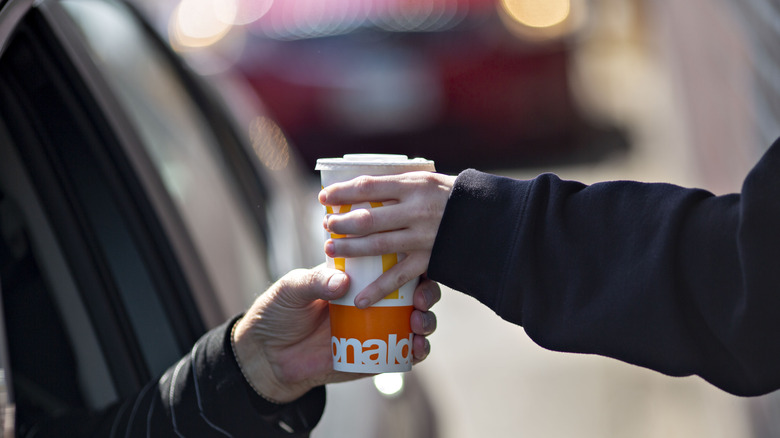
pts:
[302, 286]
[421, 348]
[406, 270]
[423, 323]
[381, 243]
[427, 293]
[362, 189]
[362, 221]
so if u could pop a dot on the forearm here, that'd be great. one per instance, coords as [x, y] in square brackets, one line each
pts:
[203, 395]
[207, 392]
[664, 277]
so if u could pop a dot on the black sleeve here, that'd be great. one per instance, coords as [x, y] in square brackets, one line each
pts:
[677, 280]
[203, 395]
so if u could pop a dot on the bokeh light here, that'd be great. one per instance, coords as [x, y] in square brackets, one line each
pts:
[298, 19]
[389, 384]
[537, 13]
[241, 12]
[194, 23]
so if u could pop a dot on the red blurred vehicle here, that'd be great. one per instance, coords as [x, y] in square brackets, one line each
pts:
[450, 81]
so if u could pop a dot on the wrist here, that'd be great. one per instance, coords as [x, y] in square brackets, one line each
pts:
[255, 367]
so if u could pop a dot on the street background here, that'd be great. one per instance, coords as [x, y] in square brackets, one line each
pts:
[671, 79]
[674, 77]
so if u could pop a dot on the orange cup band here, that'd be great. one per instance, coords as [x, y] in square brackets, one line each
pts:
[377, 335]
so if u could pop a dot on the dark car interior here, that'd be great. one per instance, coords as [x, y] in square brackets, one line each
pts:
[34, 328]
[56, 157]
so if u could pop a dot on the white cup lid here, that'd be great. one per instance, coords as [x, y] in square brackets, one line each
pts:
[382, 158]
[349, 160]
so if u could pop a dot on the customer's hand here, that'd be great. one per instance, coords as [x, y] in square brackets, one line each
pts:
[283, 343]
[407, 223]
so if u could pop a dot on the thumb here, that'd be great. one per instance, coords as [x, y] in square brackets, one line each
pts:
[302, 286]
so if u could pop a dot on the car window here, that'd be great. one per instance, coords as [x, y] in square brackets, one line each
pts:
[57, 151]
[114, 309]
[180, 144]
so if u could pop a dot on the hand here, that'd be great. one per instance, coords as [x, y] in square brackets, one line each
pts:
[407, 225]
[283, 342]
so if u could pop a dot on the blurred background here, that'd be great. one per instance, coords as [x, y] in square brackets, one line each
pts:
[591, 90]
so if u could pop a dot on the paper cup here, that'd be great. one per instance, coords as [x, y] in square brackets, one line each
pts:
[377, 339]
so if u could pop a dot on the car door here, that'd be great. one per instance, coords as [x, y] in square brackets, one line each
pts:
[94, 301]
[134, 215]
[108, 270]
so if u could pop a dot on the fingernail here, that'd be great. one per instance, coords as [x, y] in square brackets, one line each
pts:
[428, 294]
[420, 321]
[421, 355]
[362, 303]
[426, 323]
[336, 281]
[330, 248]
[322, 196]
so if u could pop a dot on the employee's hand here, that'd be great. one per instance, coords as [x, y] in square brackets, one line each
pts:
[283, 343]
[407, 224]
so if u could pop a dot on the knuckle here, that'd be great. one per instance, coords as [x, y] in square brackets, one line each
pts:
[415, 237]
[294, 275]
[378, 243]
[402, 277]
[308, 277]
[292, 279]
[364, 184]
[428, 210]
[365, 219]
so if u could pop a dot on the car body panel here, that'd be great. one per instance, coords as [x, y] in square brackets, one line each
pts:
[111, 256]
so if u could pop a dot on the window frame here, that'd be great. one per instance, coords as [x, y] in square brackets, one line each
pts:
[239, 158]
[87, 261]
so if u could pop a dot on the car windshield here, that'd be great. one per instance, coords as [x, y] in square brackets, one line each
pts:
[177, 138]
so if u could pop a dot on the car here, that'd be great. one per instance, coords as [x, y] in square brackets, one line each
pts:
[136, 212]
[466, 83]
